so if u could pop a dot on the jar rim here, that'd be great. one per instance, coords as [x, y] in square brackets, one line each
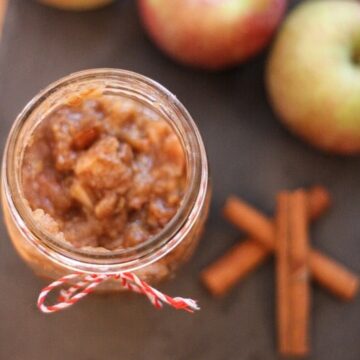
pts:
[114, 82]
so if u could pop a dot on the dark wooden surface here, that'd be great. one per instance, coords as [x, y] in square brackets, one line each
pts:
[250, 155]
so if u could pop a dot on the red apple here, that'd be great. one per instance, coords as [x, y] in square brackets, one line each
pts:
[211, 34]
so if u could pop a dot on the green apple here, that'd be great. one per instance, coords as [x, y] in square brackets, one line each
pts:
[76, 5]
[313, 74]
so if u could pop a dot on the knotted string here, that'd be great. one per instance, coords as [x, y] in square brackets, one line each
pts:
[87, 283]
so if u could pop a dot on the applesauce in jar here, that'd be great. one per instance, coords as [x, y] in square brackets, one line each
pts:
[105, 172]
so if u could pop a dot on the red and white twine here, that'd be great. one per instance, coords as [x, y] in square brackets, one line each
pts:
[87, 283]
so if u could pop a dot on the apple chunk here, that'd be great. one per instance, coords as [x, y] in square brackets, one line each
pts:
[313, 74]
[211, 34]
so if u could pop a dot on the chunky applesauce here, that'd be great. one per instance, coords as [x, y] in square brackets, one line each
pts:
[104, 172]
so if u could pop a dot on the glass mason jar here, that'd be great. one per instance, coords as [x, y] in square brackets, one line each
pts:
[156, 258]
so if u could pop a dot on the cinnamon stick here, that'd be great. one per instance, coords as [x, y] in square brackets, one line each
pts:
[234, 265]
[332, 275]
[282, 242]
[247, 255]
[299, 274]
[319, 200]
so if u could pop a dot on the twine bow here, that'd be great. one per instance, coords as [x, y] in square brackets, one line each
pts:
[87, 283]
